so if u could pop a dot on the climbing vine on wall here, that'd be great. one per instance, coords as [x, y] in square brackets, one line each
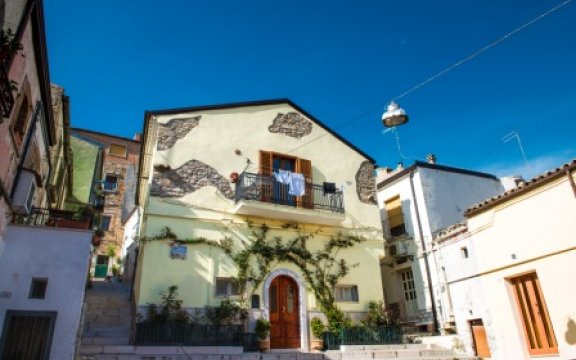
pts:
[320, 268]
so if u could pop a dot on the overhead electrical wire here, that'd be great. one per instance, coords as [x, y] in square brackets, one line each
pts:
[443, 72]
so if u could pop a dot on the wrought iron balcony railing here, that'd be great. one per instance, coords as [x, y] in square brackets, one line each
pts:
[6, 97]
[54, 218]
[266, 189]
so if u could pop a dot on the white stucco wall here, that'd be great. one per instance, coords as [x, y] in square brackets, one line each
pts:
[62, 256]
[532, 232]
[442, 197]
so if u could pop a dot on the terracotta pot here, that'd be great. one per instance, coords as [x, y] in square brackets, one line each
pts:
[96, 240]
[234, 177]
[264, 345]
[317, 345]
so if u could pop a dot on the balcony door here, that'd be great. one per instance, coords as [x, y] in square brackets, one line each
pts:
[284, 314]
[273, 191]
[409, 292]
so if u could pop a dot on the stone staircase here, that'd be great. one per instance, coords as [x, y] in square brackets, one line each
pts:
[400, 351]
[107, 319]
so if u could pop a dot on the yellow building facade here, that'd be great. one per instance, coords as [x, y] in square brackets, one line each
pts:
[221, 178]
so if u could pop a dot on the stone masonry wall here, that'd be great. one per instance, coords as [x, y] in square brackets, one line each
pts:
[188, 178]
[291, 124]
[174, 130]
[365, 183]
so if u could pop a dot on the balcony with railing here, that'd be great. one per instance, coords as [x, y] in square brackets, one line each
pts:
[54, 218]
[6, 96]
[394, 227]
[261, 195]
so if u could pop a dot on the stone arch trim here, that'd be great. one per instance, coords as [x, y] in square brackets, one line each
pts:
[365, 183]
[174, 130]
[291, 124]
[301, 298]
[191, 176]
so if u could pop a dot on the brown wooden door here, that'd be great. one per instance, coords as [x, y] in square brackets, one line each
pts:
[479, 337]
[284, 314]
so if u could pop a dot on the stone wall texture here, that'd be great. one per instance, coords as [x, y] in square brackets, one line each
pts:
[188, 178]
[174, 130]
[291, 124]
[365, 183]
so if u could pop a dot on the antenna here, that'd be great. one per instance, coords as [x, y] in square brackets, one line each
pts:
[514, 135]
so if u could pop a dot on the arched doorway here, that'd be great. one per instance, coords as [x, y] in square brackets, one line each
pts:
[284, 312]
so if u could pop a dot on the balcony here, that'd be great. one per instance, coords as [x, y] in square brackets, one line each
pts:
[394, 227]
[263, 196]
[6, 97]
[54, 218]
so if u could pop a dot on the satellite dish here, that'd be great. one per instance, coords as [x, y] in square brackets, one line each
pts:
[394, 116]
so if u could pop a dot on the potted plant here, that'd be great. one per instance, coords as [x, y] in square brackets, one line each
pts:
[262, 330]
[97, 237]
[234, 177]
[318, 329]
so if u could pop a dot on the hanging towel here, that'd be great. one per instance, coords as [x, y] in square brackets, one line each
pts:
[296, 186]
[283, 177]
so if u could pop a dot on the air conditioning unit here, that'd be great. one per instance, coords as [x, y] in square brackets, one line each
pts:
[398, 250]
[24, 194]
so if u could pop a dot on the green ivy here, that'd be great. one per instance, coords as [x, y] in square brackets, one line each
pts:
[320, 268]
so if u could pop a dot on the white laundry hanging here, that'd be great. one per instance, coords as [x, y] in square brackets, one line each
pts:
[295, 181]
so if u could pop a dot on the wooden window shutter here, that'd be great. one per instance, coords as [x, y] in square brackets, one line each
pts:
[265, 163]
[394, 212]
[304, 167]
[266, 183]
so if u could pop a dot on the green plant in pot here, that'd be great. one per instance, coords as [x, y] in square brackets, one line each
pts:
[262, 330]
[318, 328]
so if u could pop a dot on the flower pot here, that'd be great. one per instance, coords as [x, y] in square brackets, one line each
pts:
[317, 345]
[264, 345]
[234, 177]
[96, 240]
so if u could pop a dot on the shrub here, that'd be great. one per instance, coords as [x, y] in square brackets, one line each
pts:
[262, 328]
[378, 315]
[337, 320]
[318, 327]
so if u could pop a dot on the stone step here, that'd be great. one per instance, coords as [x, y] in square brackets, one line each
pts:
[99, 340]
[99, 328]
[106, 333]
[88, 350]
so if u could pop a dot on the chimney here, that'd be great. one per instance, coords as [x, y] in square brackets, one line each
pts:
[137, 137]
[431, 158]
[400, 166]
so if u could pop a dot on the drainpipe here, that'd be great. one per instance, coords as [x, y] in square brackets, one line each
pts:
[571, 179]
[424, 251]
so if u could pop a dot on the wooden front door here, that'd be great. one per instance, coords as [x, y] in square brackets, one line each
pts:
[479, 337]
[284, 314]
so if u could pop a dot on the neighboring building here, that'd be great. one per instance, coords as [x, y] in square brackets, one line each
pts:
[208, 173]
[508, 268]
[116, 192]
[415, 203]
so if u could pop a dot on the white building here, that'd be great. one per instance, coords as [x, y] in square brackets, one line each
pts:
[415, 203]
[509, 271]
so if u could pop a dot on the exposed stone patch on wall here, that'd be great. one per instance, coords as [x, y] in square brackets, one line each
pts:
[174, 130]
[291, 124]
[365, 183]
[188, 178]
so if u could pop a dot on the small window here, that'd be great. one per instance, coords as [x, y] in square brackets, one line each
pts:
[346, 293]
[226, 287]
[118, 150]
[38, 288]
[394, 225]
[105, 224]
[464, 252]
[21, 121]
[111, 183]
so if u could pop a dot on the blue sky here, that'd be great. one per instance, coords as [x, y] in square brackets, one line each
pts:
[338, 60]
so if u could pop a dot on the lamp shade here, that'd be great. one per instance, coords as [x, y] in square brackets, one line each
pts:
[394, 116]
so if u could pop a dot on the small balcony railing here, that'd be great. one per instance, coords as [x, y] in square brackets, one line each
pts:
[6, 97]
[266, 189]
[54, 218]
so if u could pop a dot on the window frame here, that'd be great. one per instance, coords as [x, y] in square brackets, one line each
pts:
[231, 285]
[338, 293]
[34, 283]
[125, 152]
[104, 187]
[531, 309]
[106, 220]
